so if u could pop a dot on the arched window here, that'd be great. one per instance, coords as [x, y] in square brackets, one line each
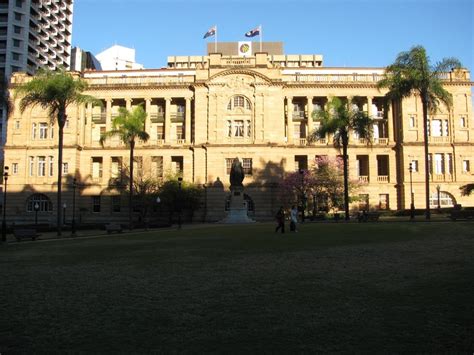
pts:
[43, 202]
[445, 199]
[238, 101]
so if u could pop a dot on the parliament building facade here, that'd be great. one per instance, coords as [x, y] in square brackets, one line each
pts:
[203, 111]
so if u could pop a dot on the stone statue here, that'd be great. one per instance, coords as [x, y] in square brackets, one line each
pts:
[236, 173]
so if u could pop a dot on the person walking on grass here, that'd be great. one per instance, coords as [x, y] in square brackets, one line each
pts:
[280, 218]
[293, 218]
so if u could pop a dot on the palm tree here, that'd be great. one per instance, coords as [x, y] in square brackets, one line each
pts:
[129, 126]
[339, 119]
[412, 73]
[54, 91]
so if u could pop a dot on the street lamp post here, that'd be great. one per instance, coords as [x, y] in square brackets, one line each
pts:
[412, 203]
[180, 180]
[438, 190]
[4, 222]
[36, 207]
[73, 222]
[64, 213]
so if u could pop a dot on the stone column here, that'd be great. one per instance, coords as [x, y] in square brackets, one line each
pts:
[108, 114]
[167, 120]
[369, 106]
[187, 121]
[290, 131]
[128, 104]
[148, 118]
[309, 109]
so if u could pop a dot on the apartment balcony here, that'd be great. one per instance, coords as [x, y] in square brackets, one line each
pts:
[99, 117]
[440, 139]
[441, 177]
[180, 141]
[298, 115]
[381, 141]
[177, 116]
[157, 117]
[364, 179]
[382, 178]
[301, 141]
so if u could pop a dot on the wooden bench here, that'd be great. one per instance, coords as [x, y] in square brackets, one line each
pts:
[112, 227]
[368, 216]
[461, 214]
[25, 233]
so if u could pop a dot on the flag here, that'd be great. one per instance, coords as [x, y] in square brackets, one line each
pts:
[254, 32]
[211, 32]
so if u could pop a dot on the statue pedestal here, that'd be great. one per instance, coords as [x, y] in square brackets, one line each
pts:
[238, 207]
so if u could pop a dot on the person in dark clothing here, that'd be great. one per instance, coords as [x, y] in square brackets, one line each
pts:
[280, 218]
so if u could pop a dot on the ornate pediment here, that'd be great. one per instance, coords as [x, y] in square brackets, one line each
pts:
[239, 79]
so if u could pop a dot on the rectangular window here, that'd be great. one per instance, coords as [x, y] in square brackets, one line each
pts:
[33, 131]
[19, 3]
[383, 202]
[435, 128]
[177, 165]
[18, 16]
[228, 165]
[157, 167]
[65, 168]
[466, 166]
[414, 166]
[138, 165]
[116, 168]
[160, 132]
[96, 167]
[31, 164]
[66, 124]
[238, 128]
[16, 43]
[50, 166]
[17, 124]
[179, 131]
[363, 202]
[301, 162]
[247, 166]
[462, 122]
[15, 168]
[439, 163]
[41, 166]
[96, 204]
[43, 130]
[16, 56]
[116, 203]
[412, 121]
[449, 163]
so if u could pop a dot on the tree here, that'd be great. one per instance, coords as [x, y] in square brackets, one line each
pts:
[129, 126]
[412, 73]
[54, 91]
[339, 119]
[189, 197]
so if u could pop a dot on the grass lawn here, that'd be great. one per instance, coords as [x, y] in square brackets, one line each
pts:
[355, 288]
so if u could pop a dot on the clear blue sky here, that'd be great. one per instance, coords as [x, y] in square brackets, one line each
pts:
[349, 33]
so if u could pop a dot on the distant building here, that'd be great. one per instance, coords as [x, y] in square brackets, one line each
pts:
[118, 58]
[33, 34]
[203, 111]
[82, 60]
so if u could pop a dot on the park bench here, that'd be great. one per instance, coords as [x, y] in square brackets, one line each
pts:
[368, 216]
[113, 227]
[461, 214]
[25, 233]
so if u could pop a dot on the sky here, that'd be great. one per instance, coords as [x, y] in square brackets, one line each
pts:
[348, 33]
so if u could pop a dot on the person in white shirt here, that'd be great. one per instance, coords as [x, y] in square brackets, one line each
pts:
[293, 218]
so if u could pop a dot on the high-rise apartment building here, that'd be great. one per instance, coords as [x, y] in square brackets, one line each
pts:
[203, 111]
[33, 34]
[118, 58]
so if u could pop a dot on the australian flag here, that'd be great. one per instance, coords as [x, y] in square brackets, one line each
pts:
[211, 32]
[254, 32]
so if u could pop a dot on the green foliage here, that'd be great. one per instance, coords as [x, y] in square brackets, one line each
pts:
[53, 91]
[173, 198]
[128, 126]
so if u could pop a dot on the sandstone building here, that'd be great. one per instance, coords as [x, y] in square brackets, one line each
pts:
[205, 110]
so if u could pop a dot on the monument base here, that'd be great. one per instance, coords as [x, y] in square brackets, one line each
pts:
[238, 207]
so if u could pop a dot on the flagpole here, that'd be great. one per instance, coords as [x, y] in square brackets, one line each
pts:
[261, 35]
[215, 40]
